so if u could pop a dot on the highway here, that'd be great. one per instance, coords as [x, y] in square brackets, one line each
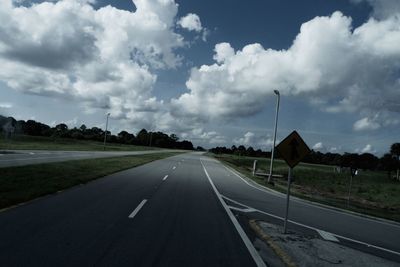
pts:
[10, 158]
[171, 212]
[165, 213]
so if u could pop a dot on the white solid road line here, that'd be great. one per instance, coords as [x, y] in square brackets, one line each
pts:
[254, 254]
[315, 229]
[165, 177]
[305, 202]
[133, 214]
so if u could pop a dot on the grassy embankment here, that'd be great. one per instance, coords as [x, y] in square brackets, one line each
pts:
[373, 192]
[48, 143]
[20, 184]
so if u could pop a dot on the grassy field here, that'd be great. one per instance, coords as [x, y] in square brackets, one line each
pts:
[372, 193]
[47, 143]
[20, 184]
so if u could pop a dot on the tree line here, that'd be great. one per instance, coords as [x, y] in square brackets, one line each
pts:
[389, 162]
[9, 126]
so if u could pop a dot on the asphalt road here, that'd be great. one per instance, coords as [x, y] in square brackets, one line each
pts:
[377, 237]
[137, 217]
[169, 213]
[10, 158]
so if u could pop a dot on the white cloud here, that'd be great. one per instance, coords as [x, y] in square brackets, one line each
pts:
[103, 58]
[256, 141]
[376, 121]
[190, 22]
[6, 105]
[223, 51]
[382, 8]
[366, 124]
[319, 147]
[329, 62]
[367, 149]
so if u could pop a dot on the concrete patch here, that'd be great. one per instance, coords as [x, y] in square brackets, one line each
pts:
[301, 250]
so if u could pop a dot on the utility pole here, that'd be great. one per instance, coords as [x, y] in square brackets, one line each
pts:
[105, 133]
[271, 167]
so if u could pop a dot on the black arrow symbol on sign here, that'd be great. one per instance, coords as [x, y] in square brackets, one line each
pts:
[293, 153]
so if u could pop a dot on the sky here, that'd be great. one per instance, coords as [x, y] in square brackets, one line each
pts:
[207, 70]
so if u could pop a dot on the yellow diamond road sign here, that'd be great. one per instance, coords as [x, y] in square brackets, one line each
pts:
[293, 149]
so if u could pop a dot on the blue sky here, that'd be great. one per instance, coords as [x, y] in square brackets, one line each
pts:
[206, 70]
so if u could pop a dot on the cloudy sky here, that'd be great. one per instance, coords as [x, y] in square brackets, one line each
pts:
[206, 70]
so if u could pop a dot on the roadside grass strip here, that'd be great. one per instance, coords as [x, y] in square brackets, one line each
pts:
[24, 183]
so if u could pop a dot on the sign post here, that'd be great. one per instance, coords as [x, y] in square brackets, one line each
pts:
[287, 199]
[254, 167]
[353, 172]
[292, 149]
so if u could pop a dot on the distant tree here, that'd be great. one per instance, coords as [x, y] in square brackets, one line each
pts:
[349, 160]
[185, 145]
[388, 164]
[368, 161]
[143, 137]
[174, 137]
[250, 151]
[199, 148]
[233, 148]
[395, 151]
[32, 127]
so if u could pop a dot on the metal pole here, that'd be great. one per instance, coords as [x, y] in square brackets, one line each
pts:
[105, 133]
[254, 167]
[348, 197]
[276, 126]
[287, 200]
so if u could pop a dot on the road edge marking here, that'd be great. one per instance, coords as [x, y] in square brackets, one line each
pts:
[267, 190]
[133, 214]
[316, 229]
[327, 236]
[254, 254]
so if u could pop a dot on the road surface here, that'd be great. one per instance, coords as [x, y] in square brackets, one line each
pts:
[374, 236]
[10, 158]
[165, 213]
[169, 213]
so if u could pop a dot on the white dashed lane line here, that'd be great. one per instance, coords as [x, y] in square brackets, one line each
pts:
[133, 214]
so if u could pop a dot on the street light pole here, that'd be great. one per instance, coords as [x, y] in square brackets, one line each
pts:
[276, 126]
[105, 133]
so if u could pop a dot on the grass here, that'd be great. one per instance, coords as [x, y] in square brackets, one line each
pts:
[372, 192]
[21, 184]
[48, 143]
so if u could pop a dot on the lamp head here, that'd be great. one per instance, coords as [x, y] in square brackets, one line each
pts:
[276, 92]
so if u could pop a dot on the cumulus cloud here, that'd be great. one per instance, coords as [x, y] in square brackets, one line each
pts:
[367, 149]
[256, 141]
[104, 58]
[382, 8]
[365, 124]
[190, 22]
[376, 121]
[319, 147]
[339, 68]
